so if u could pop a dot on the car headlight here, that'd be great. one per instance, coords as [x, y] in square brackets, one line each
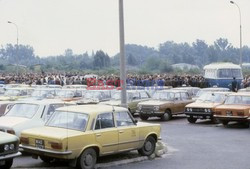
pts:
[187, 109]
[156, 108]
[6, 147]
[139, 107]
[12, 147]
[190, 109]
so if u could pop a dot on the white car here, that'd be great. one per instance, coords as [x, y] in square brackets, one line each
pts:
[29, 114]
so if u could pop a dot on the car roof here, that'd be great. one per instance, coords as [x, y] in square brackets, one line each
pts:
[92, 109]
[240, 94]
[44, 101]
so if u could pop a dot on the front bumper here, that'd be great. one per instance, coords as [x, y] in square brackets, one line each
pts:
[44, 151]
[151, 113]
[232, 118]
[9, 156]
[200, 115]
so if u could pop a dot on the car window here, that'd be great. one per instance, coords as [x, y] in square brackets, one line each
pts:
[144, 95]
[136, 96]
[184, 96]
[105, 120]
[177, 96]
[23, 110]
[51, 110]
[123, 119]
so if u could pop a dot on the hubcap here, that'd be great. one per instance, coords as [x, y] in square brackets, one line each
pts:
[88, 160]
[148, 146]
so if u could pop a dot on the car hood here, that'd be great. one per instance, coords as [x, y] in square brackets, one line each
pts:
[11, 122]
[203, 105]
[50, 133]
[7, 138]
[233, 107]
[154, 102]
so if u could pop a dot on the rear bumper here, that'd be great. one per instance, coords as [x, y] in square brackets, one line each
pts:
[232, 118]
[44, 151]
[9, 156]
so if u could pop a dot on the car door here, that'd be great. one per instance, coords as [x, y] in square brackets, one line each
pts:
[177, 103]
[128, 132]
[185, 99]
[106, 133]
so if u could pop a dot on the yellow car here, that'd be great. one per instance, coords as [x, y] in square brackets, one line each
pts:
[80, 134]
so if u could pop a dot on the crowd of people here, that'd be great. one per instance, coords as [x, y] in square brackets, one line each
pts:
[87, 79]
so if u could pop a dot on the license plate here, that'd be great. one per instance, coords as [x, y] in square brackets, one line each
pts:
[229, 113]
[39, 144]
[198, 117]
[2, 163]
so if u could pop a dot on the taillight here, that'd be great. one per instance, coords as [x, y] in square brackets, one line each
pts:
[11, 132]
[240, 113]
[56, 145]
[24, 140]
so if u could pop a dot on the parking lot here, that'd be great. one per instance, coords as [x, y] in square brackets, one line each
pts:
[191, 146]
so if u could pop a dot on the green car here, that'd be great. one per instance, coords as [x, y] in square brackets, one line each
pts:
[133, 98]
[9, 145]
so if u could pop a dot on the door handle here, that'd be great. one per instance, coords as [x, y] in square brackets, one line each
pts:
[98, 135]
[121, 131]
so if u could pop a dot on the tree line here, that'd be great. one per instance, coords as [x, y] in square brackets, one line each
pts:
[138, 57]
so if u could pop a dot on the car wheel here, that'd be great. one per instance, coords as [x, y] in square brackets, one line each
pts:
[225, 123]
[191, 120]
[214, 120]
[87, 160]
[143, 117]
[148, 147]
[46, 159]
[8, 164]
[245, 124]
[166, 116]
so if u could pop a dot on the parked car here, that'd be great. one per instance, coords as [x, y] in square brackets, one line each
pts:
[203, 108]
[42, 93]
[16, 93]
[164, 104]
[94, 97]
[133, 98]
[29, 114]
[80, 134]
[69, 94]
[192, 91]
[236, 108]
[9, 145]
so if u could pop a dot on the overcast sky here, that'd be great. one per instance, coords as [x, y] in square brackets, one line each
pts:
[51, 26]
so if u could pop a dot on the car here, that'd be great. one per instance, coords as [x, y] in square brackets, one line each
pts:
[9, 146]
[192, 91]
[42, 93]
[80, 134]
[69, 94]
[236, 108]
[204, 106]
[164, 104]
[29, 114]
[16, 93]
[94, 97]
[133, 98]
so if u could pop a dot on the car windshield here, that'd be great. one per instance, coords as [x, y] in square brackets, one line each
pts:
[68, 120]
[163, 96]
[12, 92]
[23, 110]
[117, 96]
[238, 100]
[212, 98]
[92, 95]
[65, 93]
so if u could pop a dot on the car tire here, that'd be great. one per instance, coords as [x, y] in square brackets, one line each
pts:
[143, 117]
[47, 159]
[225, 123]
[166, 116]
[245, 124]
[148, 147]
[8, 164]
[87, 160]
[214, 120]
[191, 120]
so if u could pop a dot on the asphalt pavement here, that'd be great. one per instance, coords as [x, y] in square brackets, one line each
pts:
[190, 146]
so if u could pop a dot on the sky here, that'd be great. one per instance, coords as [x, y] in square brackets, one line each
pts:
[51, 26]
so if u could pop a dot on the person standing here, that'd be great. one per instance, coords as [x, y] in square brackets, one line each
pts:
[234, 85]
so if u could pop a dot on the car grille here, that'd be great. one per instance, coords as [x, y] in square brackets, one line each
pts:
[198, 110]
[2, 130]
[147, 108]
